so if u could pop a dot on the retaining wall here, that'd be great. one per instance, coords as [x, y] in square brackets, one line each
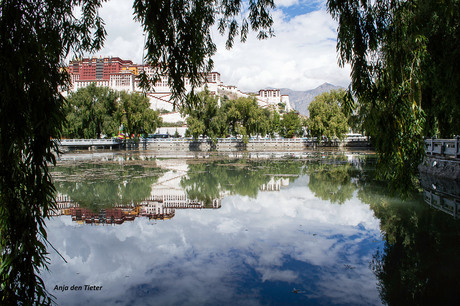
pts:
[441, 167]
[252, 145]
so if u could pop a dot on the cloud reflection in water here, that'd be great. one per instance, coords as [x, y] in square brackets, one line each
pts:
[281, 247]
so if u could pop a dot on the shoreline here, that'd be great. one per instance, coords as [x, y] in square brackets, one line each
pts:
[163, 153]
[441, 167]
[221, 144]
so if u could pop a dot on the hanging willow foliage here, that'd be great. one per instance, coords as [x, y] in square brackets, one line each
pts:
[405, 74]
[179, 41]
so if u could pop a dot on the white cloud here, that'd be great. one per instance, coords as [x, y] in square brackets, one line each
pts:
[124, 36]
[286, 3]
[302, 56]
[278, 275]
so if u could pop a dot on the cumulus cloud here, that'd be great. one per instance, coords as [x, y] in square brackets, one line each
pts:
[125, 37]
[301, 56]
[286, 3]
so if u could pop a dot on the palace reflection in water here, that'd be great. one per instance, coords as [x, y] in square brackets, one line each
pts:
[156, 207]
[169, 192]
[317, 230]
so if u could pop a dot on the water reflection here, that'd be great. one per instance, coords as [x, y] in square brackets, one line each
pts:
[101, 185]
[278, 237]
[115, 192]
[442, 194]
[156, 207]
[242, 177]
[419, 262]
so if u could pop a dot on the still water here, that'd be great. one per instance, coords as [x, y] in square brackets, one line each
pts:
[246, 229]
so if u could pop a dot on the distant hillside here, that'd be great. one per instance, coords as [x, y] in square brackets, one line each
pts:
[301, 99]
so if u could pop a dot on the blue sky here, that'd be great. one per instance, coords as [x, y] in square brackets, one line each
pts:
[302, 56]
[293, 8]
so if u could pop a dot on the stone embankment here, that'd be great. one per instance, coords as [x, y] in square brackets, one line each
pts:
[442, 159]
[252, 145]
[441, 167]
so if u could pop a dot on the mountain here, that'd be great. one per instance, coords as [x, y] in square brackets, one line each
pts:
[301, 99]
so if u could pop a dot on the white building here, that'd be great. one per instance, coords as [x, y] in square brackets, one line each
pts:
[274, 97]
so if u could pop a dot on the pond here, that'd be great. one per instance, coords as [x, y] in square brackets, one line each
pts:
[245, 229]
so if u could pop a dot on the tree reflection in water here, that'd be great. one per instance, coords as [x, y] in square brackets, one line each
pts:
[103, 185]
[420, 262]
[205, 181]
[331, 182]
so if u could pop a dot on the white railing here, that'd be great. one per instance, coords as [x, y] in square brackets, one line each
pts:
[220, 141]
[447, 147]
[88, 142]
[256, 140]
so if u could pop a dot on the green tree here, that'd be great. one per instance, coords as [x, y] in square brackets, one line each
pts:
[136, 115]
[91, 112]
[326, 115]
[291, 125]
[176, 134]
[275, 124]
[404, 60]
[204, 118]
[263, 124]
[195, 127]
[244, 117]
[35, 38]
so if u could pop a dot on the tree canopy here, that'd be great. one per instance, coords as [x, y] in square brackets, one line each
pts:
[204, 116]
[291, 125]
[245, 117]
[326, 115]
[136, 115]
[238, 117]
[405, 75]
[95, 111]
[90, 112]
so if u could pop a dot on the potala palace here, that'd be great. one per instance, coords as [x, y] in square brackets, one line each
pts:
[119, 74]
